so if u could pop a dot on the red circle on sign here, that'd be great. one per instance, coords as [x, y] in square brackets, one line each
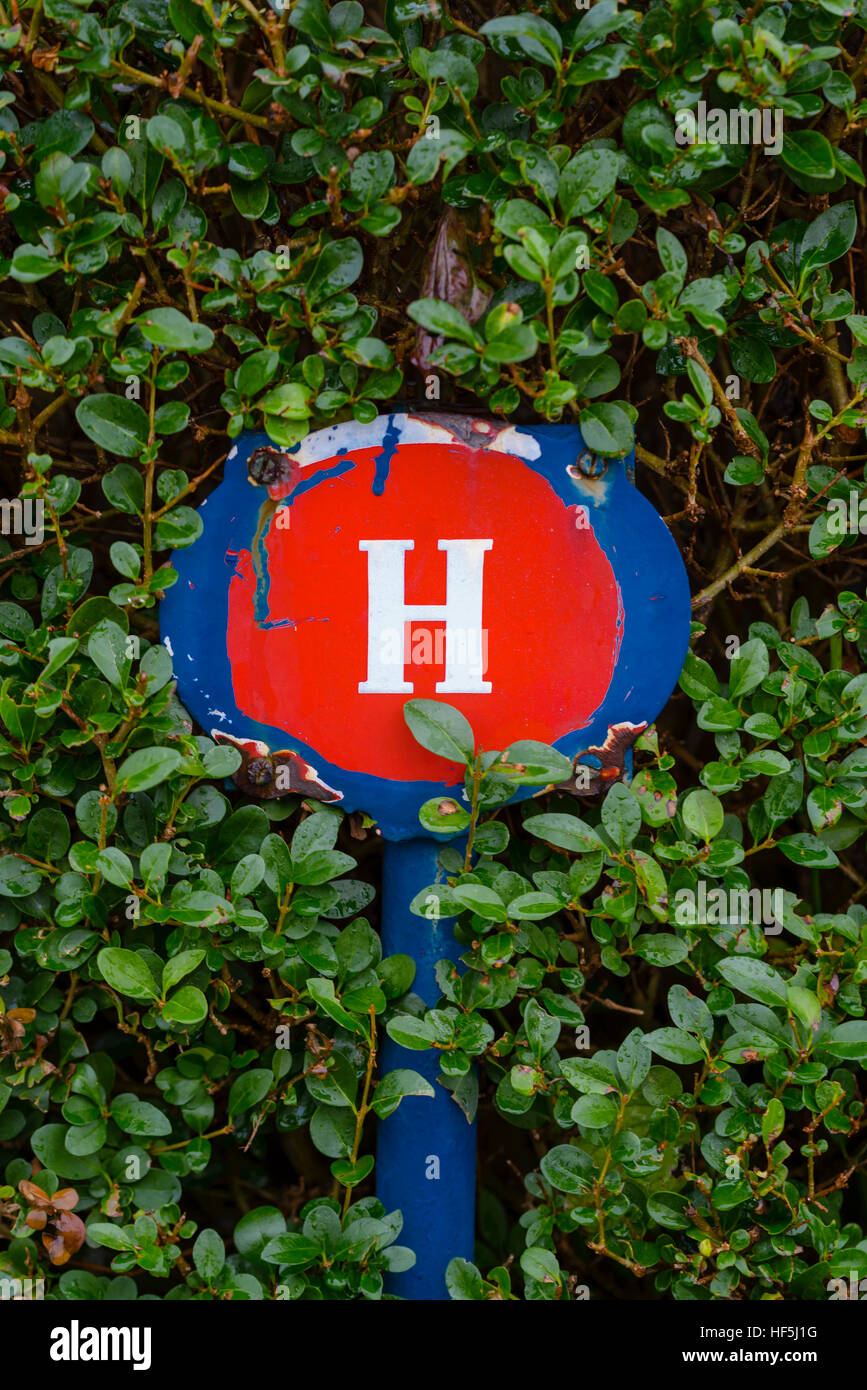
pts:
[550, 606]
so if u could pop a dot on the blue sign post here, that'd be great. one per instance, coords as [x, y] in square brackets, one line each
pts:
[506, 571]
[426, 1150]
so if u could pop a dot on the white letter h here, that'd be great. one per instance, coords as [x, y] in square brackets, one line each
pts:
[462, 610]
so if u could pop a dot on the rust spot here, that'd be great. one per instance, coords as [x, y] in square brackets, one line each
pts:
[267, 466]
[588, 465]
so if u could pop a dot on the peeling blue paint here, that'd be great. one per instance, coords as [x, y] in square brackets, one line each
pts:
[383, 460]
[322, 475]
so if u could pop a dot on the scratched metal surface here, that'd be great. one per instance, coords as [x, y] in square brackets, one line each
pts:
[241, 676]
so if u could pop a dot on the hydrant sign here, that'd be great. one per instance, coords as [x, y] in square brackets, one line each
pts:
[503, 570]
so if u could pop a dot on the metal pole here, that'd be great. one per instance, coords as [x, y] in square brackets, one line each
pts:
[426, 1150]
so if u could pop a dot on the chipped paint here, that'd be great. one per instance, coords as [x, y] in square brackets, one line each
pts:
[416, 428]
[383, 459]
[260, 772]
